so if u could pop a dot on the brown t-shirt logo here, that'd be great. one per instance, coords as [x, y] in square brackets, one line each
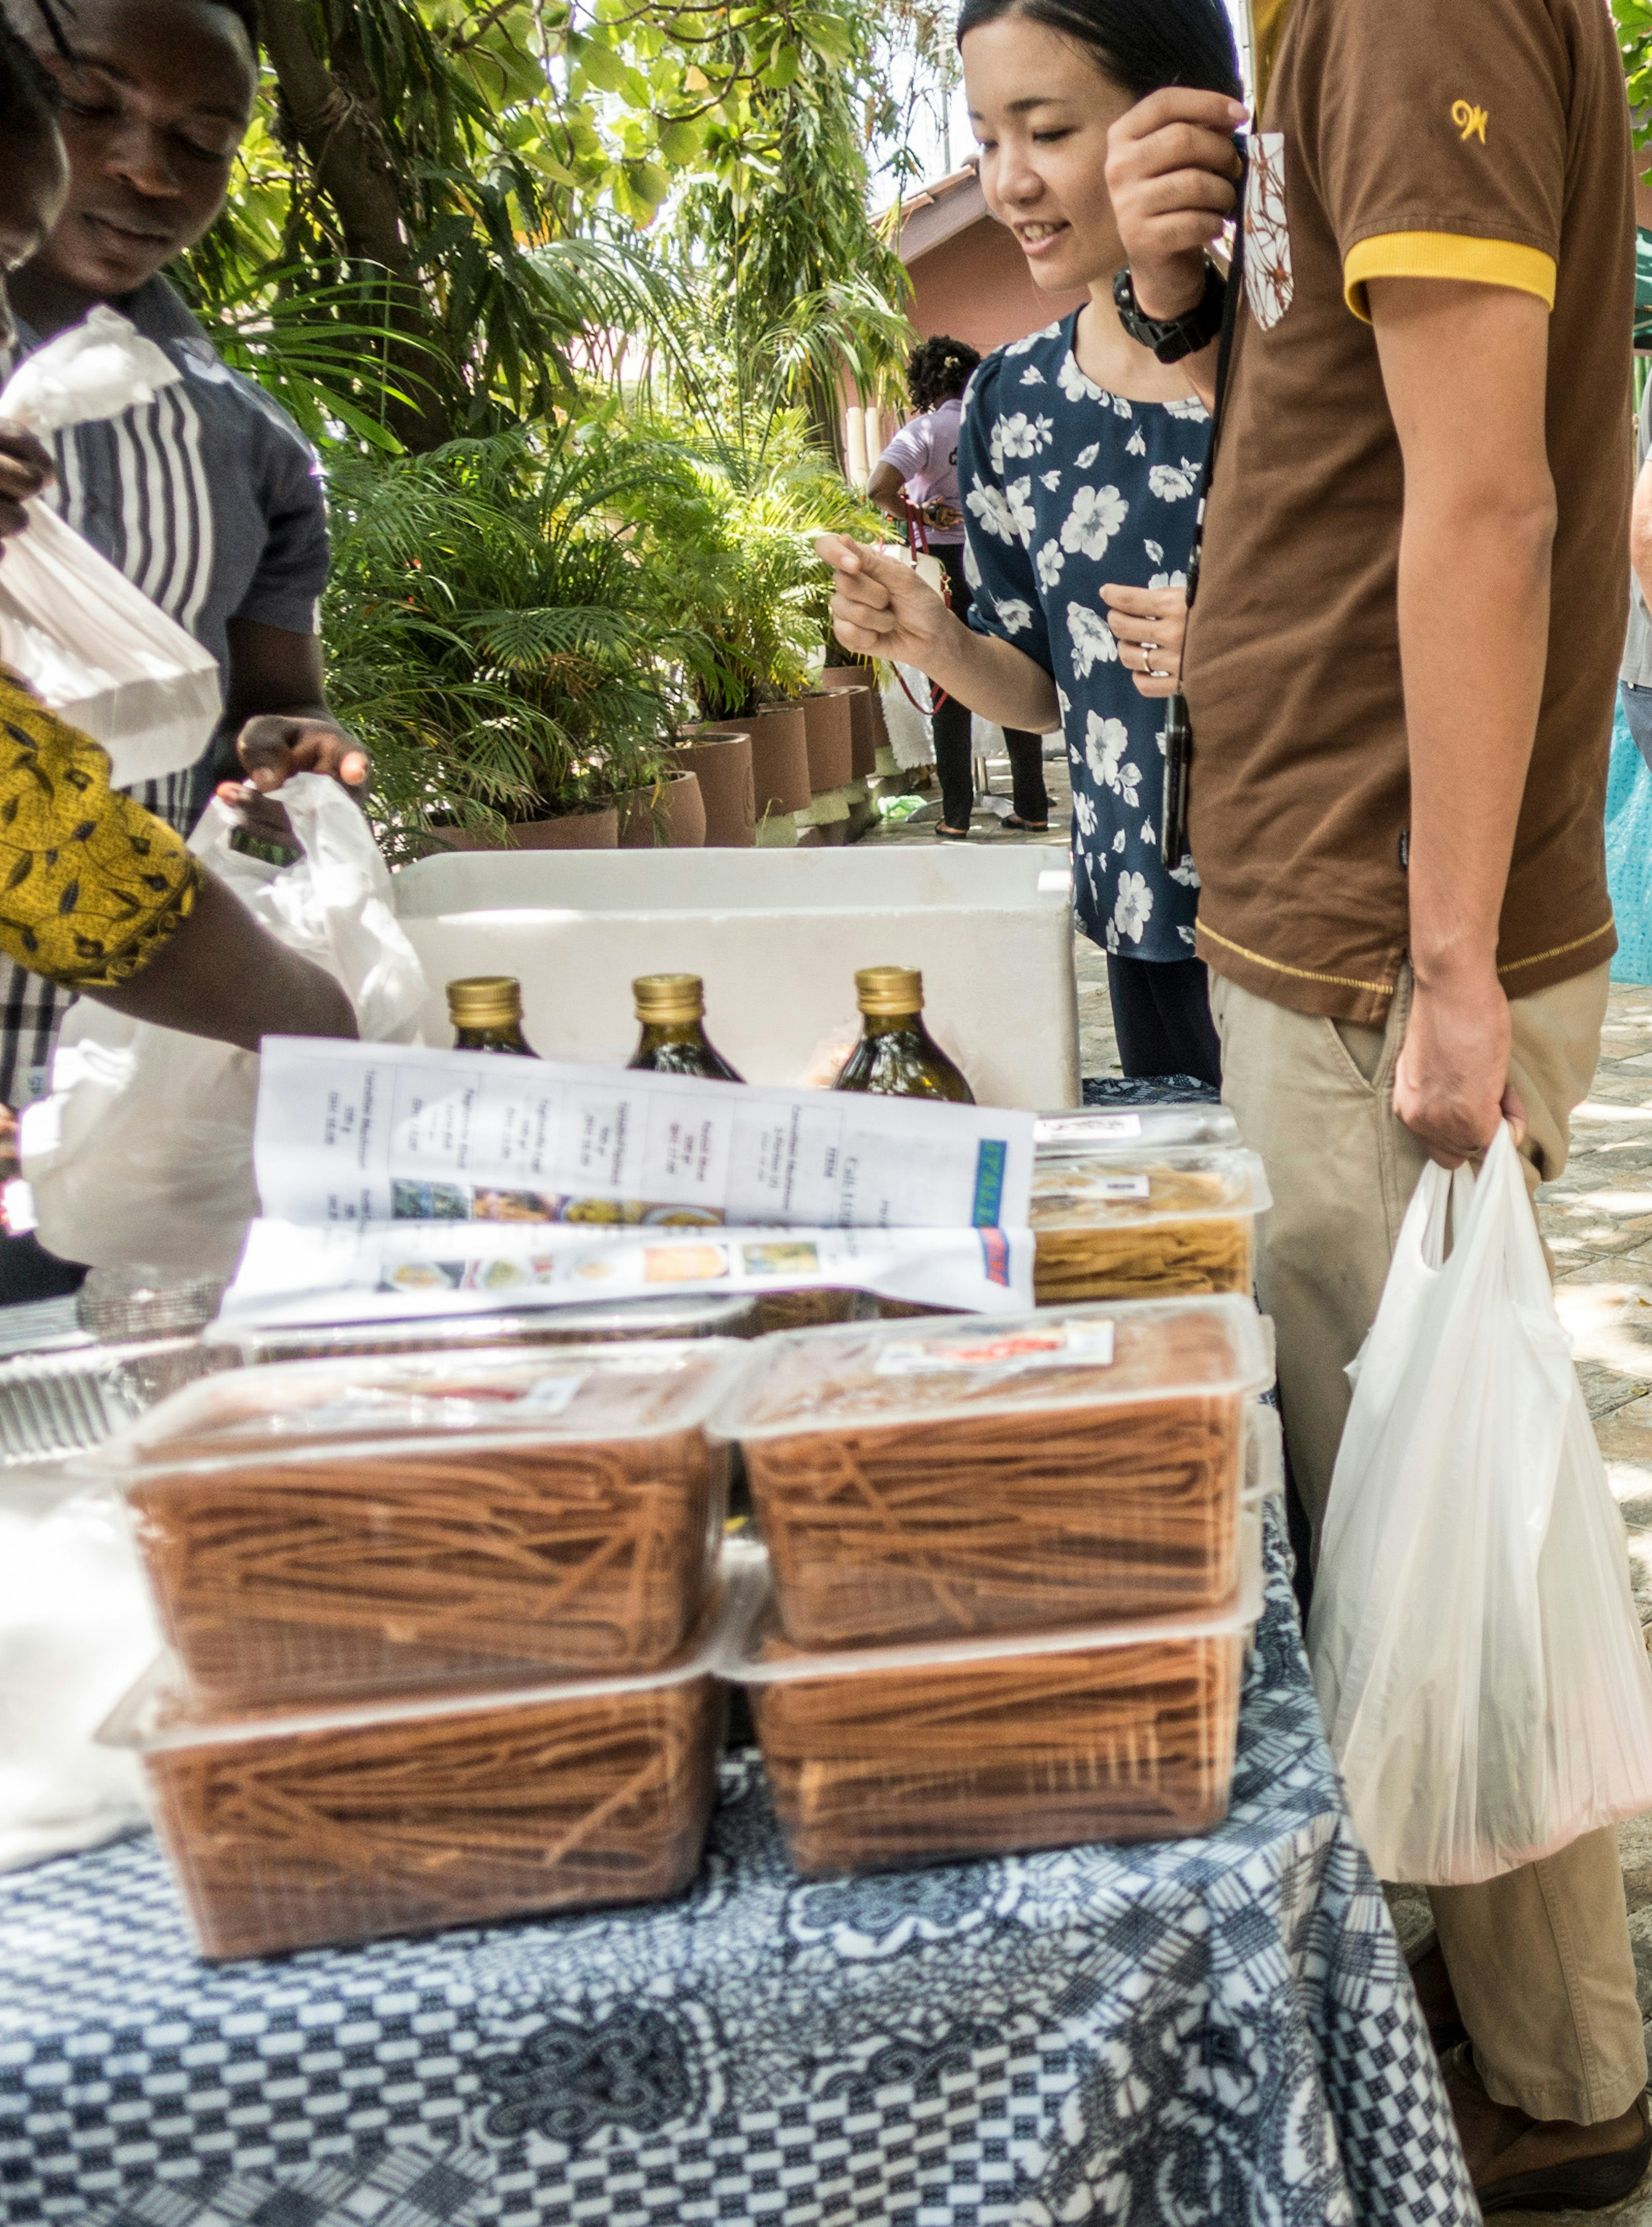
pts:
[1471, 120]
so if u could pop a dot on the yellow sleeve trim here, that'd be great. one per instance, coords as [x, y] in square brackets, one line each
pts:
[1446, 255]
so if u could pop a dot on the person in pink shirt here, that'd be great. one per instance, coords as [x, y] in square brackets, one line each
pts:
[916, 478]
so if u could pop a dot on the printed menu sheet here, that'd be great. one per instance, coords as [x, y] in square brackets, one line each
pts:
[364, 1136]
[292, 1273]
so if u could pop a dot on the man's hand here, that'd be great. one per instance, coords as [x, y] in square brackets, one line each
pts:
[1150, 624]
[274, 747]
[1172, 173]
[1451, 1082]
[879, 606]
[25, 469]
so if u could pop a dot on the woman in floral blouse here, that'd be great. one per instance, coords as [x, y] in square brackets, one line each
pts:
[1079, 462]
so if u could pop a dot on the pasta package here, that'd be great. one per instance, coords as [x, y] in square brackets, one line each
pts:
[1110, 1224]
[357, 1822]
[930, 1480]
[880, 1759]
[356, 1526]
[614, 1320]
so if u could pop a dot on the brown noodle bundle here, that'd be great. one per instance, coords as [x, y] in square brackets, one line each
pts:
[1000, 1522]
[807, 1309]
[937, 1760]
[350, 1572]
[343, 1834]
[1088, 1247]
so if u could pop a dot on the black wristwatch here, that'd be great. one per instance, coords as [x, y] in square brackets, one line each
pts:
[1173, 338]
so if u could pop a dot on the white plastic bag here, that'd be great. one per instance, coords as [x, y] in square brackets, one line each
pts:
[143, 1150]
[89, 643]
[1476, 1653]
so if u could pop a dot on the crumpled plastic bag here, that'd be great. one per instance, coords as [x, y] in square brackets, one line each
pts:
[142, 1151]
[90, 645]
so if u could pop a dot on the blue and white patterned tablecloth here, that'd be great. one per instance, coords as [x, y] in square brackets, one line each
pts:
[1212, 2030]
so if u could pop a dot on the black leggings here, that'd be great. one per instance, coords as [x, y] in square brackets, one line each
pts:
[951, 728]
[1161, 1015]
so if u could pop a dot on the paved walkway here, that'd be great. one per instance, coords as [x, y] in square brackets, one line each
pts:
[1598, 1222]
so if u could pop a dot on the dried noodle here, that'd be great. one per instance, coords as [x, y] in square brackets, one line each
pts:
[343, 1834]
[934, 1761]
[346, 1572]
[1093, 1248]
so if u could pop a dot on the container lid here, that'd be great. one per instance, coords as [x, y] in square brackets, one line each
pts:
[1090, 1356]
[889, 991]
[614, 1319]
[1134, 1128]
[668, 999]
[303, 1410]
[1127, 1191]
[162, 1713]
[751, 1649]
[485, 1001]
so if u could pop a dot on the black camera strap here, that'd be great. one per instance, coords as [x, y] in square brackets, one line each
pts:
[1178, 727]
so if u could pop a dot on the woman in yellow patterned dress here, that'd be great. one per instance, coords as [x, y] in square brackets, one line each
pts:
[95, 893]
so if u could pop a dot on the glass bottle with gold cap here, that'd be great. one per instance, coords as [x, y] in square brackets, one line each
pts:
[486, 1011]
[896, 1056]
[671, 1008]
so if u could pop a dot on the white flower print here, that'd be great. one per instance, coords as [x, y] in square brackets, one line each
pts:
[1024, 516]
[1083, 812]
[1025, 437]
[1086, 457]
[972, 566]
[1063, 699]
[1014, 613]
[1155, 552]
[1186, 933]
[1137, 444]
[1093, 640]
[969, 394]
[987, 503]
[1020, 347]
[1134, 908]
[1168, 580]
[1148, 833]
[1050, 479]
[1032, 376]
[1048, 564]
[1112, 936]
[1188, 406]
[1073, 383]
[1120, 407]
[1118, 840]
[1188, 874]
[1105, 742]
[1097, 515]
[1171, 485]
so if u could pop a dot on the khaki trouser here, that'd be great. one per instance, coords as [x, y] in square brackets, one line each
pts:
[1541, 1958]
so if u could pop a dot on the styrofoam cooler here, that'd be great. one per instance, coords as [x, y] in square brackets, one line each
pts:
[777, 936]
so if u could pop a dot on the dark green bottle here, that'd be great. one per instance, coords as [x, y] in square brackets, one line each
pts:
[672, 1008]
[896, 1056]
[486, 1011]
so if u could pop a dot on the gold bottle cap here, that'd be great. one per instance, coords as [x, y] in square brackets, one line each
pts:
[885, 989]
[666, 999]
[485, 1001]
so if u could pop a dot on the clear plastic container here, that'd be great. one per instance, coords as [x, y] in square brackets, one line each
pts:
[1115, 1226]
[340, 1824]
[1133, 1129]
[616, 1320]
[879, 1759]
[53, 1406]
[329, 1527]
[925, 1480]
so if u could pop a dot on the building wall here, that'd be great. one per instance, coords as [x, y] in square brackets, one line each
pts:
[974, 287]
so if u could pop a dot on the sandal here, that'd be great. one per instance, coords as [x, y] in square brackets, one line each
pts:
[952, 834]
[1025, 826]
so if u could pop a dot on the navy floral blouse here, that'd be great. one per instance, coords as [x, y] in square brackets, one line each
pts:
[1065, 487]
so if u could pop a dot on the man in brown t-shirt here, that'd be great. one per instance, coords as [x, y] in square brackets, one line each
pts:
[1400, 669]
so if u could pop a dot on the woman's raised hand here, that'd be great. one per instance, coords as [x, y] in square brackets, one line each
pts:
[1150, 624]
[879, 606]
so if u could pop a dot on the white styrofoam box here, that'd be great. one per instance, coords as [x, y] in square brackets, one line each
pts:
[777, 936]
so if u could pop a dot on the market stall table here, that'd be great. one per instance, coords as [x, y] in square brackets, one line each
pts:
[1217, 2030]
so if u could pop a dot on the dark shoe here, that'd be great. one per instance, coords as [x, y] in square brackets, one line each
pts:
[1438, 2003]
[1522, 2164]
[1025, 826]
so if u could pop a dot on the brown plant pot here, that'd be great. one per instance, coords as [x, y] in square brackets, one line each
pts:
[672, 817]
[830, 740]
[866, 729]
[780, 757]
[721, 757]
[570, 831]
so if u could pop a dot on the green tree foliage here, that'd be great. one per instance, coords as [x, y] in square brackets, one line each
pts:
[1633, 21]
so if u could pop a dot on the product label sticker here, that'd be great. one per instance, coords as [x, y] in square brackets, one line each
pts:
[1113, 1124]
[1120, 1187]
[1070, 1345]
